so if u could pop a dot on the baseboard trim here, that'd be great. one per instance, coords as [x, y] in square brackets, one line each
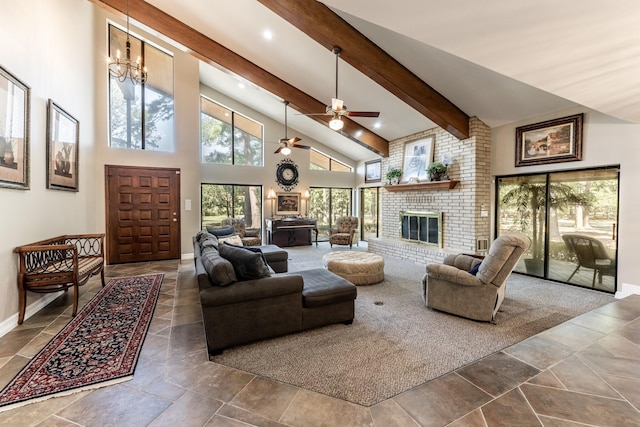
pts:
[11, 322]
[628, 289]
[185, 257]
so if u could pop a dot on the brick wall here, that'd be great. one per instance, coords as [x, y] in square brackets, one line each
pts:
[462, 207]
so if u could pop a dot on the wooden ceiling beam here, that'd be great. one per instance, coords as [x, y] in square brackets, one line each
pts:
[327, 28]
[213, 52]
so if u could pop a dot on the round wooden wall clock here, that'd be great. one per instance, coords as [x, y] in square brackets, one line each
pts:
[287, 174]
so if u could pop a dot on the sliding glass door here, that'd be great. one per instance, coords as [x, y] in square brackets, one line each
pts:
[571, 218]
[327, 204]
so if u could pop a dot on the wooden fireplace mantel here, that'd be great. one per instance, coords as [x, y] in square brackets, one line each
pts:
[423, 186]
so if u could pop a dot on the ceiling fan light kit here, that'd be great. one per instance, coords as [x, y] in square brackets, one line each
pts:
[286, 143]
[336, 123]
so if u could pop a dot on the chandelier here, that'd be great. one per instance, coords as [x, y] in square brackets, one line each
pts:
[124, 68]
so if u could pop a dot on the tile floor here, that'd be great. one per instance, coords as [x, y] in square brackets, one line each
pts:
[583, 372]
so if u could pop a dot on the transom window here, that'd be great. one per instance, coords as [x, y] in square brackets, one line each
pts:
[228, 137]
[141, 115]
[320, 161]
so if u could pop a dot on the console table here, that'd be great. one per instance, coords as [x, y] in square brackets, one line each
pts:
[291, 231]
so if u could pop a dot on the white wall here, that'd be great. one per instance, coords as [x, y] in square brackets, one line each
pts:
[606, 141]
[63, 69]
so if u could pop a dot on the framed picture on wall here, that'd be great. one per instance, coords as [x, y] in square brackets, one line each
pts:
[63, 132]
[288, 204]
[417, 156]
[15, 101]
[373, 171]
[553, 141]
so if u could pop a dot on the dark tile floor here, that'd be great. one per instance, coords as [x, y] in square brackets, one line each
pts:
[583, 372]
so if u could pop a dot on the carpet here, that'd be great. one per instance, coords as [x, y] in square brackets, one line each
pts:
[98, 347]
[395, 343]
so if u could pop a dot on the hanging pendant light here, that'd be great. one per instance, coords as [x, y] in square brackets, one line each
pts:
[124, 68]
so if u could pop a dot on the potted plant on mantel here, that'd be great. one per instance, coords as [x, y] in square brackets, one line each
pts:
[437, 171]
[393, 176]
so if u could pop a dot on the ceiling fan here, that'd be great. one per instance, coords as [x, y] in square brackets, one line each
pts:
[285, 143]
[337, 109]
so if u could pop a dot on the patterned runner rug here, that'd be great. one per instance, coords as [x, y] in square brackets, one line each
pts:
[98, 347]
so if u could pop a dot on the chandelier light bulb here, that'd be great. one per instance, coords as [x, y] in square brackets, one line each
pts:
[336, 123]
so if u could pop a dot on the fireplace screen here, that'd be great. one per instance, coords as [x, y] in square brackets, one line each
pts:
[422, 227]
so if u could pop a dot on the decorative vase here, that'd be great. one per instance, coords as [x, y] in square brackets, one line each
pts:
[435, 176]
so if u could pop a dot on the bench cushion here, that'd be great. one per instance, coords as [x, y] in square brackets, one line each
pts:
[322, 287]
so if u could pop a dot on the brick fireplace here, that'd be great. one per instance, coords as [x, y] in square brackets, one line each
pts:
[464, 208]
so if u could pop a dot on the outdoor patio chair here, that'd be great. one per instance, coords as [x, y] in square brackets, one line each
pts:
[591, 253]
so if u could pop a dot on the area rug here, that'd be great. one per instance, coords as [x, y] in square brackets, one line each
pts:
[98, 347]
[395, 343]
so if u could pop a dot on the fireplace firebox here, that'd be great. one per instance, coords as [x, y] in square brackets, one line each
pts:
[421, 227]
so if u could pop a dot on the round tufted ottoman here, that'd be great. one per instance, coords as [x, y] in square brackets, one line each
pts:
[360, 268]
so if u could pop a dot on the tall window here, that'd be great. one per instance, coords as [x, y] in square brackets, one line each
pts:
[320, 161]
[141, 115]
[220, 201]
[369, 212]
[228, 137]
[326, 205]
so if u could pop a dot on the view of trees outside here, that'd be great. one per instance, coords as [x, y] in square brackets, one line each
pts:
[126, 112]
[370, 199]
[327, 204]
[583, 202]
[228, 137]
[221, 201]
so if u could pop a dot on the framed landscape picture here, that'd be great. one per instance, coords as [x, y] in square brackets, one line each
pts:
[63, 132]
[417, 156]
[373, 171]
[15, 100]
[553, 141]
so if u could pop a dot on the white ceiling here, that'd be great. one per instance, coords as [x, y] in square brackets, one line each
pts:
[499, 61]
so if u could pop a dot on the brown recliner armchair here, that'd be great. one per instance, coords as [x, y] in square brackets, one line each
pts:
[346, 227]
[453, 287]
[250, 237]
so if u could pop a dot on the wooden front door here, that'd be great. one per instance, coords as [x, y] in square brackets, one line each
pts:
[143, 206]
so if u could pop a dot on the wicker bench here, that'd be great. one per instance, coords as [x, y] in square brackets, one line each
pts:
[58, 264]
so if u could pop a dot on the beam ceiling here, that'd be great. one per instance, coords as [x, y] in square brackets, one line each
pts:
[213, 52]
[330, 30]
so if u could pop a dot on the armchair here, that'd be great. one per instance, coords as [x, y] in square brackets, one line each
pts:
[249, 237]
[346, 227]
[452, 288]
[591, 254]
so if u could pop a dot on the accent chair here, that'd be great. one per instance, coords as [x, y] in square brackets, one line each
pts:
[346, 227]
[249, 237]
[471, 287]
[591, 254]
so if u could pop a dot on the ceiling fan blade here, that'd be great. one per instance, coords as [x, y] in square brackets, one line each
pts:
[293, 140]
[337, 104]
[304, 147]
[278, 150]
[363, 113]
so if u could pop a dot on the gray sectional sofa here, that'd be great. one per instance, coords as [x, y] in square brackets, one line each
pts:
[244, 300]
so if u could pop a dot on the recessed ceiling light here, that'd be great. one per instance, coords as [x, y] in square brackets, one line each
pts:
[241, 85]
[267, 34]
[358, 134]
[377, 125]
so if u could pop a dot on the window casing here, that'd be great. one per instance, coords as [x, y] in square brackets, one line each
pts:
[141, 116]
[228, 137]
[320, 161]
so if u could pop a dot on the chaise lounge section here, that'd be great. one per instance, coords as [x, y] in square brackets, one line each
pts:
[242, 301]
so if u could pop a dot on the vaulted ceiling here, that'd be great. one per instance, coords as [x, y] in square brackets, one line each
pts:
[420, 64]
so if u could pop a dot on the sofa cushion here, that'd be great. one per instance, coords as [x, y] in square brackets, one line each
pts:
[203, 235]
[219, 269]
[322, 287]
[246, 263]
[210, 242]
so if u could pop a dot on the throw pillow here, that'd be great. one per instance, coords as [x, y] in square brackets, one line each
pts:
[219, 269]
[246, 263]
[211, 242]
[221, 231]
[475, 268]
[232, 240]
[203, 235]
